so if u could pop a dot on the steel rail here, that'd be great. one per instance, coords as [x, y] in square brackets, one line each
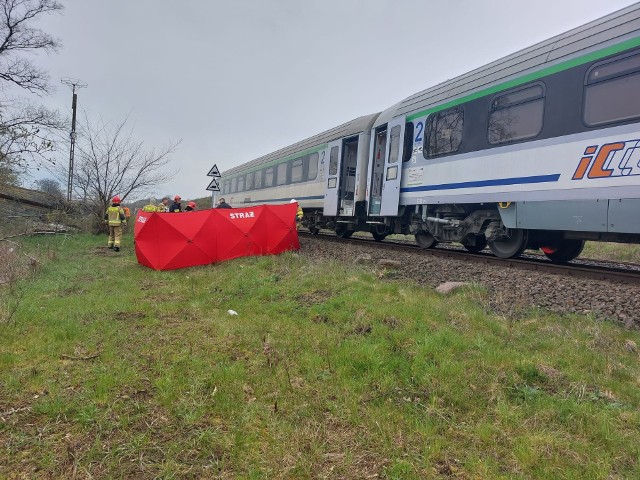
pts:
[593, 272]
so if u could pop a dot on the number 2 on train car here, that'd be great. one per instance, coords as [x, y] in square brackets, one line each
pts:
[420, 129]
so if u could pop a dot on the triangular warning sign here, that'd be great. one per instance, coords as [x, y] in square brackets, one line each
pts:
[214, 172]
[213, 186]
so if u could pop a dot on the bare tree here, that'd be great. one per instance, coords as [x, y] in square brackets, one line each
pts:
[18, 35]
[50, 186]
[25, 130]
[9, 175]
[110, 161]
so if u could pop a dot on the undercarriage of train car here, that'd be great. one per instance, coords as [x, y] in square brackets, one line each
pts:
[465, 224]
[477, 225]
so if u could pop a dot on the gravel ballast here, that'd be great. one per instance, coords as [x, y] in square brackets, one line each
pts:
[508, 289]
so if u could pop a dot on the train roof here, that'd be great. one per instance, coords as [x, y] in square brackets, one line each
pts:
[613, 29]
[310, 144]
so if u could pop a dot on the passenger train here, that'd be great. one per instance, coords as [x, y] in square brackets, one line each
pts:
[540, 149]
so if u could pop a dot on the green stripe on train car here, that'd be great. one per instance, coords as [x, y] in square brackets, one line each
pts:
[277, 161]
[589, 57]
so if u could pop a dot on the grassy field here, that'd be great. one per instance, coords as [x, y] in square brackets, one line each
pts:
[111, 370]
[612, 251]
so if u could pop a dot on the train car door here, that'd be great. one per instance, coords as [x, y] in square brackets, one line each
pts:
[347, 171]
[376, 172]
[392, 168]
[332, 178]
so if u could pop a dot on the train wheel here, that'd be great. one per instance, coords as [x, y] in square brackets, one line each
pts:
[314, 230]
[343, 232]
[565, 251]
[378, 237]
[512, 245]
[425, 240]
[479, 244]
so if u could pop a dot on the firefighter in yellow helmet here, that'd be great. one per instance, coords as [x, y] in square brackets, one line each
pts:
[299, 214]
[115, 219]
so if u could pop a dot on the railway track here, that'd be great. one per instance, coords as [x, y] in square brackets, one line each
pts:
[579, 268]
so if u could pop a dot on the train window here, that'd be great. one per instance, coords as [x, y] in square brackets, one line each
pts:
[407, 149]
[394, 145]
[443, 132]
[516, 115]
[258, 179]
[333, 161]
[392, 173]
[313, 166]
[268, 177]
[296, 170]
[281, 178]
[611, 91]
[241, 183]
[613, 69]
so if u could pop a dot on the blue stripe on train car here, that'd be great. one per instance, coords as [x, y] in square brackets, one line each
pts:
[288, 199]
[485, 183]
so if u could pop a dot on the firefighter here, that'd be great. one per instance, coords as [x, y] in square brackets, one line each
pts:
[115, 218]
[299, 214]
[150, 207]
[176, 207]
[163, 206]
[191, 207]
[127, 215]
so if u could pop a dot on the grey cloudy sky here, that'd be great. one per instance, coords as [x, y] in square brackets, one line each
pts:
[238, 79]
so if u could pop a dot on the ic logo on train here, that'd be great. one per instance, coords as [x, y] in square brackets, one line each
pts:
[241, 215]
[617, 159]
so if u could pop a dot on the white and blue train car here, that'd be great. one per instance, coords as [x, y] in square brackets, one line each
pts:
[536, 150]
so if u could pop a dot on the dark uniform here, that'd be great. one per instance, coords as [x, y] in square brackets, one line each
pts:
[223, 204]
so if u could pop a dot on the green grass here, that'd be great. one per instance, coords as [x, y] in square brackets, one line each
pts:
[612, 251]
[118, 371]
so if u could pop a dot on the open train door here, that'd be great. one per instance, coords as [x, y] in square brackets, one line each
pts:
[332, 179]
[378, 152]
[392, 168]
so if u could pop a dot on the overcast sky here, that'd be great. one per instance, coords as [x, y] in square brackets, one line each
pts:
[237, 79]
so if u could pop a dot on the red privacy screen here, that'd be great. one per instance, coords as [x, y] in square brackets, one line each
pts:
[166, 241]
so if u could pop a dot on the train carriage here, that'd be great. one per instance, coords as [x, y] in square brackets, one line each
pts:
[533, 150]
[536, 150]
[325, 173]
